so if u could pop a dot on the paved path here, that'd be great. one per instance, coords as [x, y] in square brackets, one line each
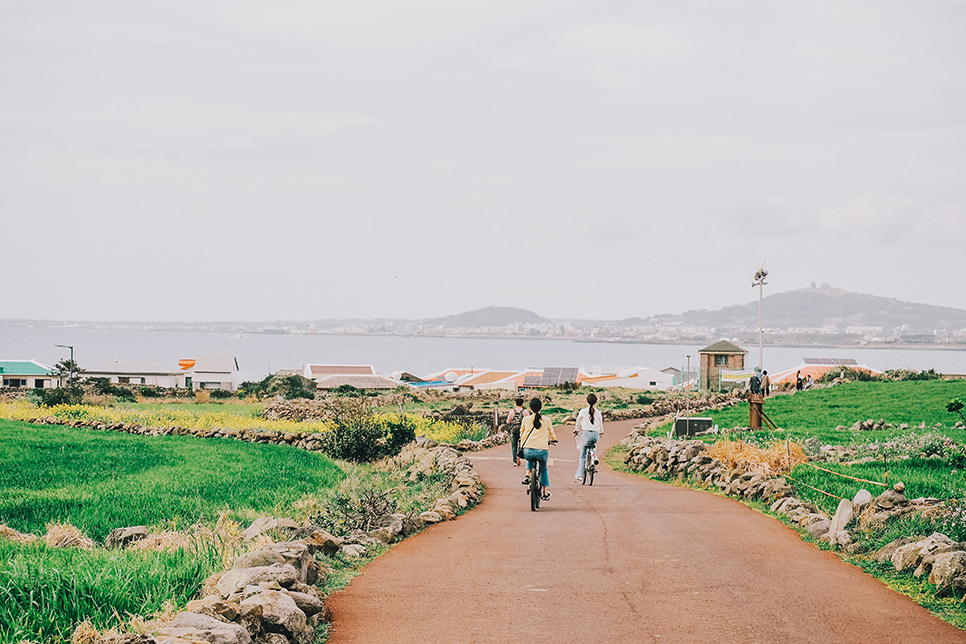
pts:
[627, 560]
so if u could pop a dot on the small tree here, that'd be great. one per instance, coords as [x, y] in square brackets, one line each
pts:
[955, 406]
[68, 369]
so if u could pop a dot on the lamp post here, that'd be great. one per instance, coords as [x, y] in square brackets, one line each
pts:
[687, 396]
[71, 347]
[760, 283]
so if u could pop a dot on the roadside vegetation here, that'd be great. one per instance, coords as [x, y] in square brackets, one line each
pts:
[194, 495]
[915, 436]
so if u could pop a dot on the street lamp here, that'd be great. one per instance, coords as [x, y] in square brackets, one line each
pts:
[760, 283]
[687, 396]
[71, 347]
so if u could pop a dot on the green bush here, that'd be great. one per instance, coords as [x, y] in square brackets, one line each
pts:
[396, 434]
[347, 391]
[148, 391]
[849, 373]
[67, 395]
[289, 387]
[358, 440]
[104, 387]
[906, 375]
[221, 394]
[644, 399]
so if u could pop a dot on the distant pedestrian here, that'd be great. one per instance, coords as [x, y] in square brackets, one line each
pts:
[513, 421]
[810, 383]
[765, 384]
[799, 383]
[754, 383]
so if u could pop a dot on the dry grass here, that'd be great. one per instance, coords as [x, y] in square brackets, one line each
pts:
[776, 459]
[64, 535]
[6, 532]
[164, 540]
[86, 633]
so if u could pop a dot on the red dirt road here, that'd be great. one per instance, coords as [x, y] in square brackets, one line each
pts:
[627, 560]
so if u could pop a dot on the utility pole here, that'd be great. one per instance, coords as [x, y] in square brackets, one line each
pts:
[760, 283]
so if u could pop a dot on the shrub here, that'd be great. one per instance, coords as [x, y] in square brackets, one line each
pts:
[849, 373]
[69, 395]
[147, 391]
[347, 391]
[222, 394]
[397, 432]
[358, 440]
[644, 399]
[289, 387]
[906, 374]
[349, 511]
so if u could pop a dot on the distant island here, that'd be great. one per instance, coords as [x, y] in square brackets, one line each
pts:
[815, 315]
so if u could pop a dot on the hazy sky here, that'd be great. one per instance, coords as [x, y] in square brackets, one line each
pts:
[303, 160]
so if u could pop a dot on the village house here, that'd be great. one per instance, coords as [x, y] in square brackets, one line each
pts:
[138, 373]
[27, 374]
[211, 372]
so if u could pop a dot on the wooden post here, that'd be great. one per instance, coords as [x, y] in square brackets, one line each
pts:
[754, 408]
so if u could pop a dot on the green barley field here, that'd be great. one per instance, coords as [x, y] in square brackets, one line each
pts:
[98, 481]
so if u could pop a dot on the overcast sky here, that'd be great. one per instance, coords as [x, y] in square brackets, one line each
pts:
[184, 160]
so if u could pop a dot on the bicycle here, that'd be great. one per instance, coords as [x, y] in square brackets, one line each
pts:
[590, 467]
[533, 485]
[534, 490]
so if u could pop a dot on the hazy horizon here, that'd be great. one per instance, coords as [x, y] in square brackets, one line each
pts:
[210, 162]
[385, 317]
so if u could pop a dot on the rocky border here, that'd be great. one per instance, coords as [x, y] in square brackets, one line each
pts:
[685, 459]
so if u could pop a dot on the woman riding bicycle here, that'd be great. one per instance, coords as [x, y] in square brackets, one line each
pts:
[536, 434]
[589, 428]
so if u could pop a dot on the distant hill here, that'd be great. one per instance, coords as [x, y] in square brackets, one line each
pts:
[496, 316]
[827, 306]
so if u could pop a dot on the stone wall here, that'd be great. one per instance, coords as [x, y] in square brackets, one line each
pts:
[686, 459]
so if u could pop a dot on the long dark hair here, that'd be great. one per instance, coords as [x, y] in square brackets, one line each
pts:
[535, 406]
[591, 400]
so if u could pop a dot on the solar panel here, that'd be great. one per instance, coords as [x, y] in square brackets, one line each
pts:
[552, 376]
[830, 362]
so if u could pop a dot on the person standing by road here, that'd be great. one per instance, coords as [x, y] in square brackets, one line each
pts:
[765, 384]
[799, 384]
[589, 428]
[513, 421]
[537, 433]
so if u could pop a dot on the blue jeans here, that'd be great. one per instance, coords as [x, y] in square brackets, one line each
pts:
[514, 445]
[538, 455]
[589, 442]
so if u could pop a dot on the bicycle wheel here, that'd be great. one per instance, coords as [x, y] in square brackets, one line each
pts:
[535, 487]
[592, 469]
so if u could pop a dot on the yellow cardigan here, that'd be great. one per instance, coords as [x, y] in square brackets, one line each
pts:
[539, 438]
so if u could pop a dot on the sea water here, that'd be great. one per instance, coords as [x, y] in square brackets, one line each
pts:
[260, 354]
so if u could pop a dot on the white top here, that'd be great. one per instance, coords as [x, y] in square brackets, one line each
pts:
[583, 420]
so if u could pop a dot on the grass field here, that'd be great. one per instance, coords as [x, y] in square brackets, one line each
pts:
[818, 412]
[102, 480]
[45, 592]
[904, 454]
[99, 480]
